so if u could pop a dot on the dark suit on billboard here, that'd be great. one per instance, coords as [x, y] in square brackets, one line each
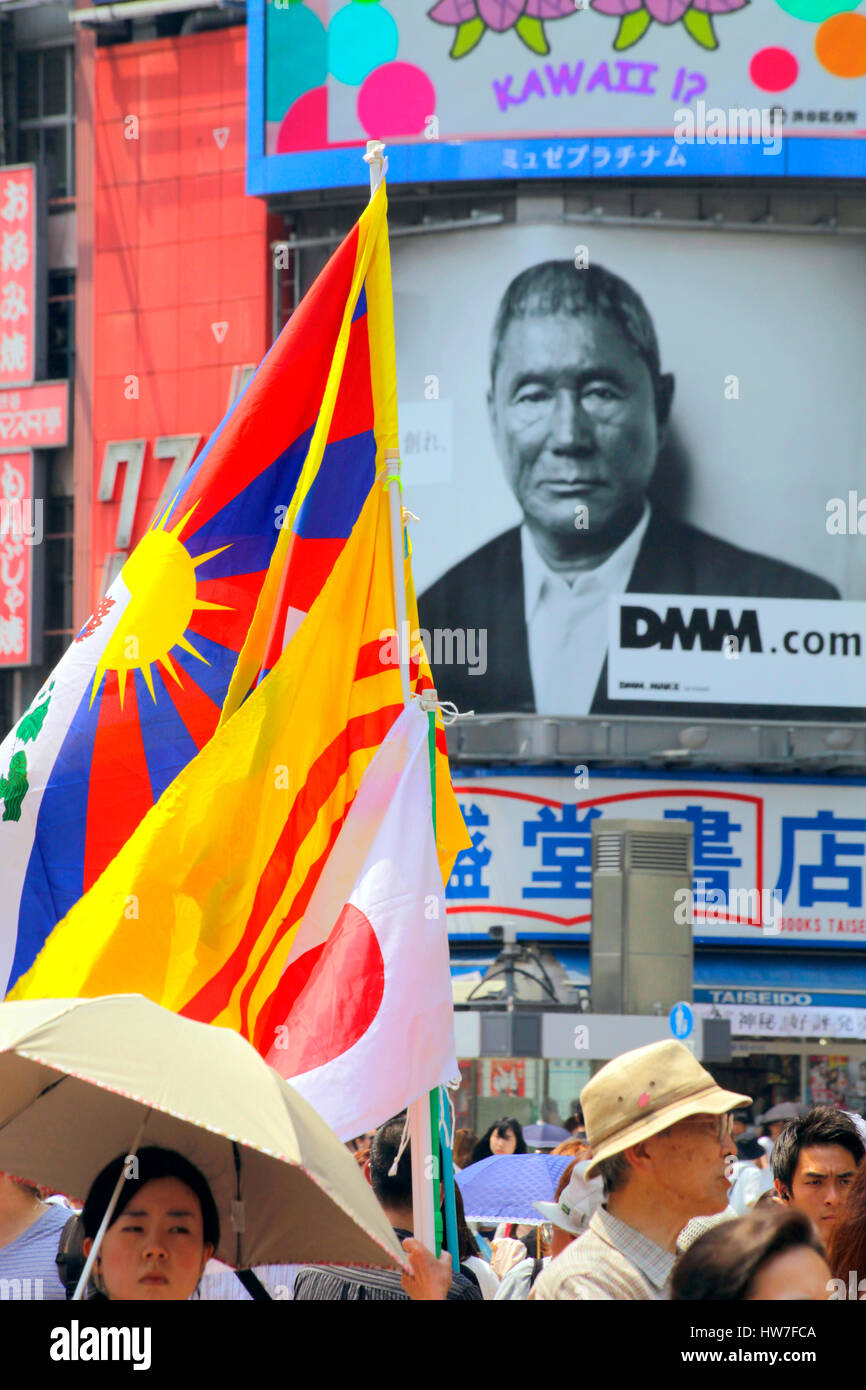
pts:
[485, 591]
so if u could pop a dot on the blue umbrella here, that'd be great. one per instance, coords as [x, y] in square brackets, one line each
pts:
[504, 1186]
[544, 1136]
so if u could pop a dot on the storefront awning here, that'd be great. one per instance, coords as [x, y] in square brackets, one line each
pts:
[765, 994]
[801, 978]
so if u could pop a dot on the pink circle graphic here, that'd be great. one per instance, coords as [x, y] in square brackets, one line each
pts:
[396, 99]
[774, 69]
[305, 124]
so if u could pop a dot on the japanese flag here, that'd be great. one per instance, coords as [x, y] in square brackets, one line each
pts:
[370, 1026]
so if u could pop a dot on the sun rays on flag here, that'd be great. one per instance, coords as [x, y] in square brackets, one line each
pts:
[161, 578]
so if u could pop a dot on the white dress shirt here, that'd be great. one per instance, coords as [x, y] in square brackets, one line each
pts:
[567, 622]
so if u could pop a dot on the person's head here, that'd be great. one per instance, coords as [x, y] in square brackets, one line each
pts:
[659, 1127]
[466, 1244]
[549, 1112]
[561, 1236]
[767, 1256]
[574, 1202]
[846, 1244]
[503, 1137]
[578, 402]
[360, 1142]
[162, 1232]
[814, 1162]
[777, 1117]
[392, 1191]
[464, 1144]
[574, 1148]
[741, 1121]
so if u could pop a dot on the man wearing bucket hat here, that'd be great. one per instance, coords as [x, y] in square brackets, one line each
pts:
[659, 1130]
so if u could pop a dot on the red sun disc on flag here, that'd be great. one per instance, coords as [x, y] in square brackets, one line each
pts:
[326, 1018]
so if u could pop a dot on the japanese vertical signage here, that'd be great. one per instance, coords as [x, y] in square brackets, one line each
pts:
[801, 845]
[18, 534]
[17, 275]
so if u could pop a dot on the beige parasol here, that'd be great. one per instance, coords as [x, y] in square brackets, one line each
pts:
[79, 1076]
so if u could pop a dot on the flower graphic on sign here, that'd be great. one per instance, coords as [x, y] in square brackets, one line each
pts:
[636, 16]
[474, 17]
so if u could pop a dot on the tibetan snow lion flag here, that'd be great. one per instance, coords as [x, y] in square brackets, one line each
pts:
[200, 908]
[188, 626]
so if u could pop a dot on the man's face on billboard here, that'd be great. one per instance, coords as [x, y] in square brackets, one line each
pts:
[574, 419]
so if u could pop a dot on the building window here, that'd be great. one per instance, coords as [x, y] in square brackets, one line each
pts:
[61, 325]
[58, 573]
[46, 115]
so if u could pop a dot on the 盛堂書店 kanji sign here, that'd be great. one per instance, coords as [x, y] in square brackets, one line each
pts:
[17, 275]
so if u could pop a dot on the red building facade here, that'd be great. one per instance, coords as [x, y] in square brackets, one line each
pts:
[179, 281]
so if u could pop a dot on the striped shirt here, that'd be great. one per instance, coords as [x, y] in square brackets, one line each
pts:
[609, 1261]
[28, 1264]
[220, 1282]
[342, 1283]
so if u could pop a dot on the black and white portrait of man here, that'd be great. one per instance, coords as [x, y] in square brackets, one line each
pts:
[579, 404]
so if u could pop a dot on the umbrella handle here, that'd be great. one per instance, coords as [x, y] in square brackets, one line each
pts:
[109, 1211]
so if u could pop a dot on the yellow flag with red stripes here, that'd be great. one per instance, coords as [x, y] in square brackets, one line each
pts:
[199, 908]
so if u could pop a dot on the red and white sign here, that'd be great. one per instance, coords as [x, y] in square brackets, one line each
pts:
[367, 1025]
[17, 275]
[35, 417]
[17, 535]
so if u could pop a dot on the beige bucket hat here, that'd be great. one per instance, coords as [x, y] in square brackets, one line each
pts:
[642, 1092]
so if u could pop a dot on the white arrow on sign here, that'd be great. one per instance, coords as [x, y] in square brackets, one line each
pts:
[221, 135]
[219, 330]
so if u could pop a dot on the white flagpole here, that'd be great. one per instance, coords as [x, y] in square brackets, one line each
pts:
[420, 1131]
[81, 1286]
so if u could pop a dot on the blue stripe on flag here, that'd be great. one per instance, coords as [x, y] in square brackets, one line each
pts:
[361, 306]
[168, 746]
[55, 871]
[251, 518]
[213, 679]
[333, 504]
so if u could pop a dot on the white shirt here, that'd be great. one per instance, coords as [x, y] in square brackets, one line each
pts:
[567, 622]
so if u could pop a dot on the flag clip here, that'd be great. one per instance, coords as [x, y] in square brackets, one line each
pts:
[446, 709]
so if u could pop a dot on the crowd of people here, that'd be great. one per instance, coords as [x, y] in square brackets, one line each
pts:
[668, 1192]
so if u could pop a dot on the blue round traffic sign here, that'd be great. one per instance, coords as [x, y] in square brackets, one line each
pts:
[682, 1020]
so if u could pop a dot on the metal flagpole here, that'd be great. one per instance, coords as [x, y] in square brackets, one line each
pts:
[424, 1185]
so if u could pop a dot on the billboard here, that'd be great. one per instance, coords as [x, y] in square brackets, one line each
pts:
[478, 89]
[637, 463]
[776, 863]
[18, 284]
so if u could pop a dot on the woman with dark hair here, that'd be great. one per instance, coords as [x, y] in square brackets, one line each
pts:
[768, 1256]
[503, 1137]
[846, 1246]
[162, 1232]
[472, 1262]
